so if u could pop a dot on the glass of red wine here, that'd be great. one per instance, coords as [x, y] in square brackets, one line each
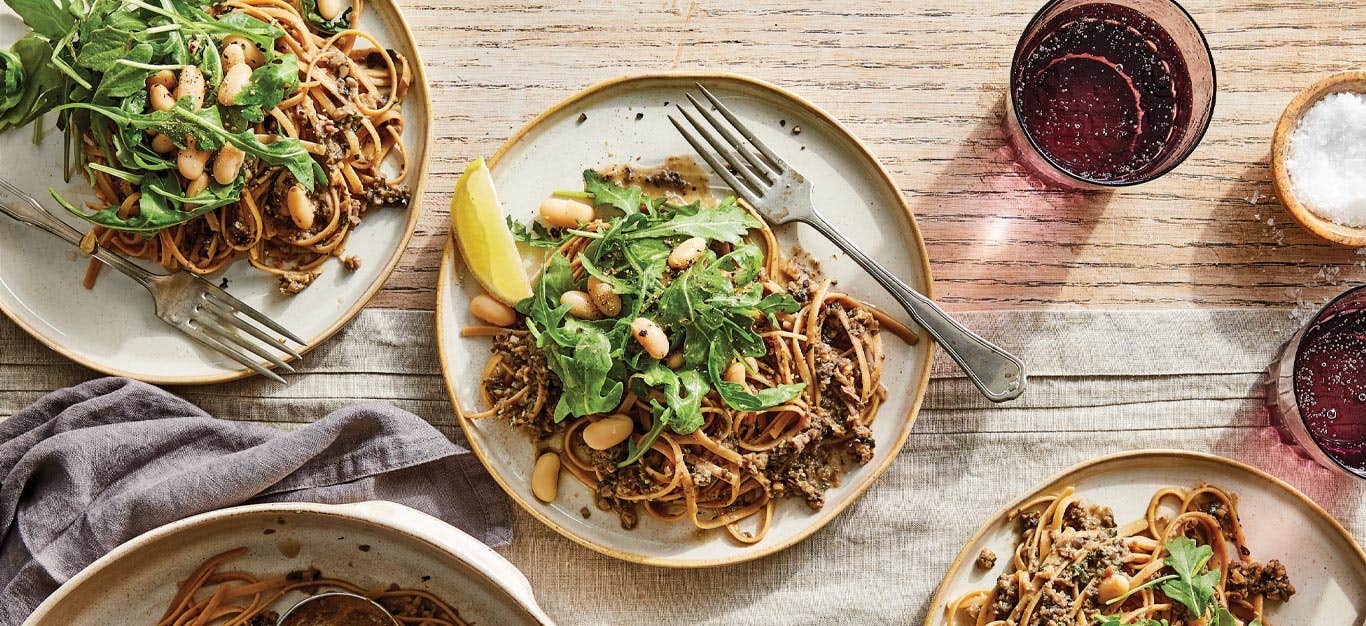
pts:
[1109, 93]
[1317, 395]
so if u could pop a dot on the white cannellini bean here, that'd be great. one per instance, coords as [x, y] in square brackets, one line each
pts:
[545, 477]
[300, 207]
[250, 53]
[651, 337]
[735, 373]
[233, 54]
[191, 83]
[165, 78]
[160, 97]
[565, 212]
[162, 144]
[607, 300]
[675, 361]
[686, 253]
[332, 9]
[580, 305]
[608, 431]
[196, 187]
[235, 81]
[491, 310]
[228, 163]
[191, 160]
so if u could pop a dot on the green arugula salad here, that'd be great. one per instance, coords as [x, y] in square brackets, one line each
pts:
[714, 302]
[671, 356]
[210, 131]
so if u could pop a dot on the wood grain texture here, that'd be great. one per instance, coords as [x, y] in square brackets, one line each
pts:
[923, 84]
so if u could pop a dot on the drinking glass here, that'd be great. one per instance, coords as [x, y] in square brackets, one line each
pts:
[1109, 93]
[1317, 386]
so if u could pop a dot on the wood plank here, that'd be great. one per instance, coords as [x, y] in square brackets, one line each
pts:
[923, 84]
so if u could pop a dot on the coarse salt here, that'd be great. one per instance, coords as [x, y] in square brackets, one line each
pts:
[1326, 159]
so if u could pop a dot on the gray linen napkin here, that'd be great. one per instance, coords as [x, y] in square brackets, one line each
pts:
[87, 468]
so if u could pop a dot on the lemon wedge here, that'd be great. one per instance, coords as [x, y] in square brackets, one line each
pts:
[483, 237]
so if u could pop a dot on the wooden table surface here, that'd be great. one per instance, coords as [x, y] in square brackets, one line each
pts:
[923, 83]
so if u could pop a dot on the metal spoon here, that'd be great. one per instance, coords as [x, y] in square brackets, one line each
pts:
[358, 606]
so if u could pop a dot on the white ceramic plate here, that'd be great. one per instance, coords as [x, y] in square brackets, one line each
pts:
[851, 188]
[1325, 564]
[134, 583]
[112, 328]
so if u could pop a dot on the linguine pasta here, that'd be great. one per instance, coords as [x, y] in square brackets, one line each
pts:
[213, 596]
[729, 471]
[1075, 566]
[345, 110]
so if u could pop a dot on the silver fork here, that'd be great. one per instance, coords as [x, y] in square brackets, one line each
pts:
[782, 195]
[193, 305]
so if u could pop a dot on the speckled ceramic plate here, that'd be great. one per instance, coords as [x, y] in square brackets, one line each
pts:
[624, 121]
[1324, 562]
[134, 583]
[112, 328]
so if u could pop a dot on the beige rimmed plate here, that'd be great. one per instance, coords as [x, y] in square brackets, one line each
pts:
[112, 328]
[1325, 564]
[371, 544]
[623, 121]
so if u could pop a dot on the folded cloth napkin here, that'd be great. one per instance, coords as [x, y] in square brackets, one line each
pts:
[87, 468]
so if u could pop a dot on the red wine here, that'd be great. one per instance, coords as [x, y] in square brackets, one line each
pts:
[1330, 382]
[1103, 92]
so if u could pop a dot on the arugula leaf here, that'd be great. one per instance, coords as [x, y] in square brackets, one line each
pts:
[583, 373]
[543, 308]
[608, 193]
[536, 236]
[683, 392]
[269, 84]
[728, 222]
[107, 33]
[633, 450]
[619, 286]
[332, 26]
[193, 19]
[735, 395]
[122, 80]
[159, 207]
[1222, 617]
[578, 352]
[1152, 583]
[1191, 588]
[209, 134]
[45, 17]
[11, 80]
[209, 59]
[43, 86]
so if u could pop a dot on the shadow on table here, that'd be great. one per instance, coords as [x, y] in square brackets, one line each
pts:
[1264, 448]
[1276, 256]
[1015, 228]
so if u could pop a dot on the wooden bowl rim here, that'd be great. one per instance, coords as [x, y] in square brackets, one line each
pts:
[1354, 81]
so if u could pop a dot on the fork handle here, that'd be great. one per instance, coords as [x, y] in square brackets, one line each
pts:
[998, 374]
[26, 209]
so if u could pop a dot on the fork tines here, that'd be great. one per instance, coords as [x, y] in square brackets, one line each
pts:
[750, 175]
[219, 320]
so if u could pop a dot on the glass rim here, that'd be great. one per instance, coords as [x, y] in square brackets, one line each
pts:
[1199, 135]
[1295, 382]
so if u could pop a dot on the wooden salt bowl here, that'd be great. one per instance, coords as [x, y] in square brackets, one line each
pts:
[1280, 145]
